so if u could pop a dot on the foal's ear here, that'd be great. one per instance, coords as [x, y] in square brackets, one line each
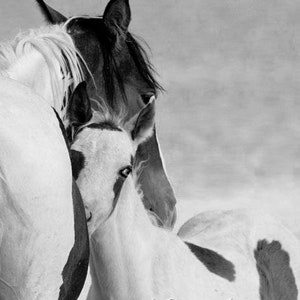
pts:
[141, 125]
[117, 17]
[51, 15]
[79, 108]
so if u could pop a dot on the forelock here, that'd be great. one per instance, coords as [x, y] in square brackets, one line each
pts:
[99, 136]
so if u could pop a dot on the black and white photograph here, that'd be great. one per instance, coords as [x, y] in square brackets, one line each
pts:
[149, 150]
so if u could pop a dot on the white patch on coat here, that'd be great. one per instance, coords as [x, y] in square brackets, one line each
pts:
[35, 195]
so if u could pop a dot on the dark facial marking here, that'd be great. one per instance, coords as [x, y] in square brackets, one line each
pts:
[214, 262]
[117, 191]
[77, 161]
[277, 281]
[104, 125]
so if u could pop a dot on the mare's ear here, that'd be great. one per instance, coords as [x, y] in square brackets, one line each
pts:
[79, 107]
[141, 125]
[117, 17]
[51, 15]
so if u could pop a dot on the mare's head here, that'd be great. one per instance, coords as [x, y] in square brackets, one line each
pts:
[123, 76]
[120, 66]
[103, 152]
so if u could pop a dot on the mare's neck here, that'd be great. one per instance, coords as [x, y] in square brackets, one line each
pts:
[32, 70]
[121, 252]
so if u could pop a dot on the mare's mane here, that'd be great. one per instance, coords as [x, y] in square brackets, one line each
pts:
[56, 46]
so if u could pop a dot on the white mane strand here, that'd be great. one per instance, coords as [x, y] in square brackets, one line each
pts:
[56, 46]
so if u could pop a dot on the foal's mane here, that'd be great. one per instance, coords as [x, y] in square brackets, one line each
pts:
[138, 54]
[56, 46]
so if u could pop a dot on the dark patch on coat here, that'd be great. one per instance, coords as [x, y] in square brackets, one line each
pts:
[214, 262]
[62, 128]
[77, 162]
[277, 281]
[104, 125]
[75, 270]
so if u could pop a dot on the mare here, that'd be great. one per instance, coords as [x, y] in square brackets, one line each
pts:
[123, 77]
[44, 243]
[133, 259]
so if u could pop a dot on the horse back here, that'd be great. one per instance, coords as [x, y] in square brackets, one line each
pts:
[257, 244]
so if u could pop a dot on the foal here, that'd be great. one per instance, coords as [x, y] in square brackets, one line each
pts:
[133, 259]
[130, 257]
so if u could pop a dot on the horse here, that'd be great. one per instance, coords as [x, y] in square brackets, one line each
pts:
[257, 257]
[44, 243]
[122, 76]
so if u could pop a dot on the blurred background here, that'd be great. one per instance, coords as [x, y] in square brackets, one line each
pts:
[229, 123]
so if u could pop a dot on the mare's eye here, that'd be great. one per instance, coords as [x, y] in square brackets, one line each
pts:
[125, 171]
[146, 97]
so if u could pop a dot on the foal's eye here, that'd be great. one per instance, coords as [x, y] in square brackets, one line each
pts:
[125, 171]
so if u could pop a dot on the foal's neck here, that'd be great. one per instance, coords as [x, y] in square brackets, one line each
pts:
[121, 253]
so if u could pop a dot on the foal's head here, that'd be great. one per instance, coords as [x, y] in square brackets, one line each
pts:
[103, 152]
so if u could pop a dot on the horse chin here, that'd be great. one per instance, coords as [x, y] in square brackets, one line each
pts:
[96, 221]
